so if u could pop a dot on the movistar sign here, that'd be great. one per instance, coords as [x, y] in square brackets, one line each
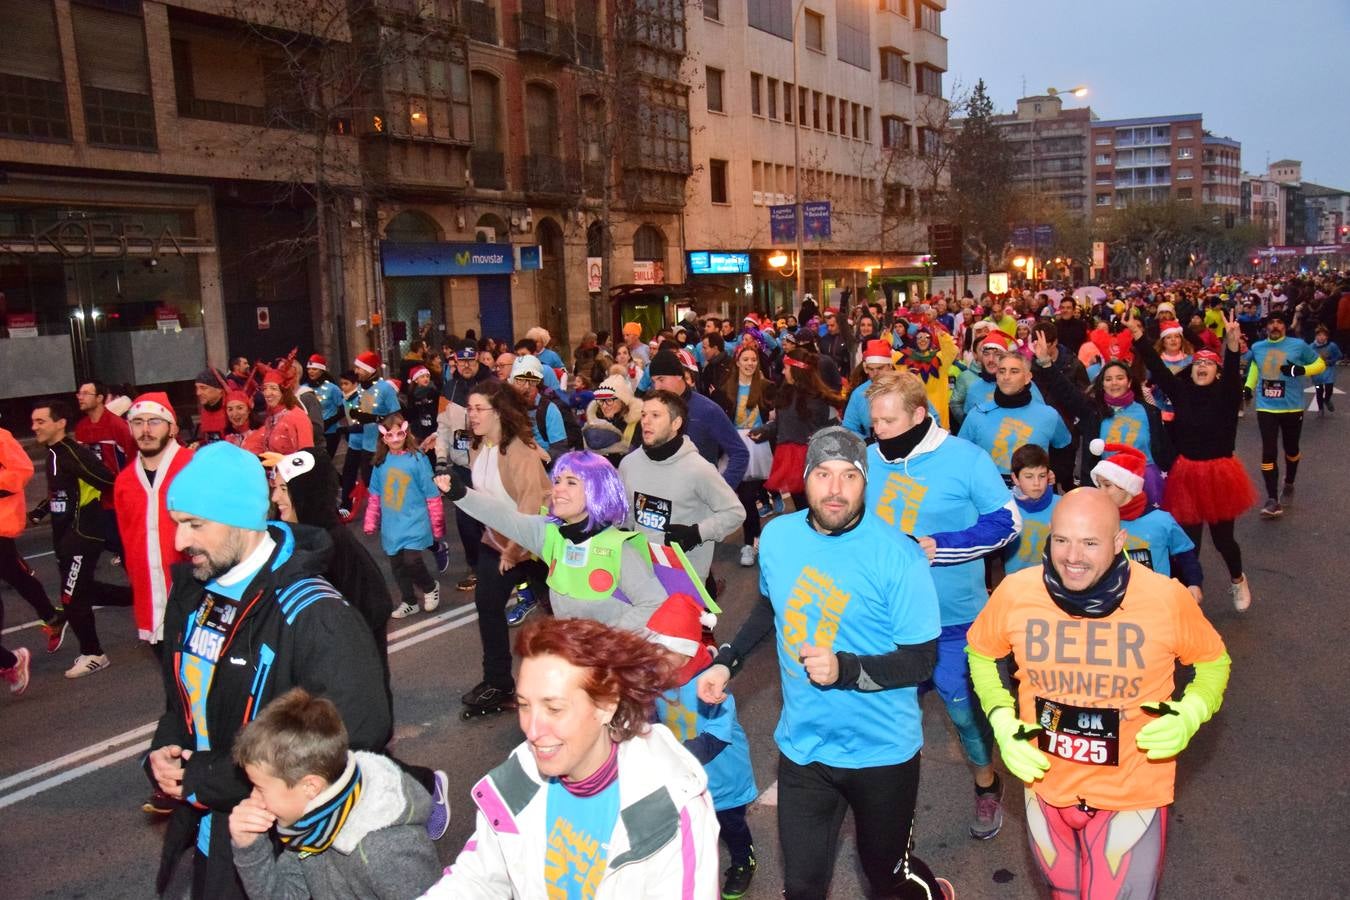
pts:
[409, 258]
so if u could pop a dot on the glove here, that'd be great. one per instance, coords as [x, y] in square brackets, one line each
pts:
[457, 488]
[1247, 393]
[686, 536]
[1022, 757]
[37, 514]
[1292, 370]
[1175, 725]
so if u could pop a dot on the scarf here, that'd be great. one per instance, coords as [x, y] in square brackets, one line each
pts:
[924, 363]
[1120, 402]
[315, 831]
[987, 377]
[903, 444]
[1034, 505]
[1099, 600]
[576, 532]
[663, 452]
[1136, 507]
[598, 780]
[1013, 401]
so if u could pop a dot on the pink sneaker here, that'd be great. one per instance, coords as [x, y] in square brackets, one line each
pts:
[17, 675]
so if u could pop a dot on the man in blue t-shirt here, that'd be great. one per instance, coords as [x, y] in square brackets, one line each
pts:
[1013, 416]
[526, 377]
[854, 615]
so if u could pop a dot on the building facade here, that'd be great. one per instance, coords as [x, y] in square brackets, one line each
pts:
[1052, 146]
[1161, 158]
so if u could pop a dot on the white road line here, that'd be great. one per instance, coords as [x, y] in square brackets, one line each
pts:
[412, 635]
[45, 553]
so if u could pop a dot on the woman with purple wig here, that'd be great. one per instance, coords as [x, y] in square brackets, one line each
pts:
[595, 570]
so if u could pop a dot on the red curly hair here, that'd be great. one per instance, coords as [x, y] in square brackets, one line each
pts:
[622, 667]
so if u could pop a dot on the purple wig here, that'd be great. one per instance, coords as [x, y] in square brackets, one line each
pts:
[606, 503]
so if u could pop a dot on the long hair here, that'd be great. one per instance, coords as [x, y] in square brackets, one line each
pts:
[622, 667]
[606, 503]
[760, 386]
[391, 421]
[805, 384]
[1098, 393]
[509, 408]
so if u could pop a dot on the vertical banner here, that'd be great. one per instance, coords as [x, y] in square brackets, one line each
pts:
[816, 220]
[783, 224]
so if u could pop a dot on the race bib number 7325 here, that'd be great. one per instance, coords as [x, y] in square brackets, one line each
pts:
[1079, 734]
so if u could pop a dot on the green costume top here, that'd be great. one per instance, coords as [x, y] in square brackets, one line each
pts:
[589, 570]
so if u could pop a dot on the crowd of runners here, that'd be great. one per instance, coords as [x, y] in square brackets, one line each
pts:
[1001, 498]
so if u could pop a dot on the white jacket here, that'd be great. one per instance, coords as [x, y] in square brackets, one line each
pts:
[664, 845]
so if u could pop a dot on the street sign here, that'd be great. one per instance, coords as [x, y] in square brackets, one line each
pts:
[1038, 235]
[529, 256]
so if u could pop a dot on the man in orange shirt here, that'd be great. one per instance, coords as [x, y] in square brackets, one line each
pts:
[1096, 638]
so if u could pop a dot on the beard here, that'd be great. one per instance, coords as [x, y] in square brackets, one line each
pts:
[222, 560]
[151, 447]
[831, 521]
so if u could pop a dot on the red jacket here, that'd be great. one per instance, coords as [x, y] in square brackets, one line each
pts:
[16, 470]
[148, 537]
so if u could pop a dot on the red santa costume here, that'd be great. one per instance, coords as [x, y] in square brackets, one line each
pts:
[146, 528]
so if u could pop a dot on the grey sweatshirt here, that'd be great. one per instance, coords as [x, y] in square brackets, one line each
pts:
[382, 851]
[683, 490]
[637, 581]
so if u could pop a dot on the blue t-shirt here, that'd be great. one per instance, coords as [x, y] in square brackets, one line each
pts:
[944, 490]
[579, 833]
[1331, 354]
[1000, 431]
[863, 592]
[858, 412]
[404, 483]
[746, 417]
[980, 391]
[1153, 539]
[551, 360]
[380, 399]
[731, 781]
[330, 402]
[1128, 425]
[1275, 392]
[1025, 550]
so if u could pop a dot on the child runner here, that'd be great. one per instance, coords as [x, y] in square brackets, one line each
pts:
[1324, 382]
[406, 508]
[1033, 489]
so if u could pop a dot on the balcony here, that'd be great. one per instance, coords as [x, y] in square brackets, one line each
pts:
[550, 176]
[487, 168]
[480, 20]
[545, 37]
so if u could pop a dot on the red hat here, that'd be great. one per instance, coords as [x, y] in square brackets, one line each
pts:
[368, 360]
[1206, 356]
[237, 396]
[274, 376]
[678, 626]
[1124, 468]
[877, 353]
[1171, 328]
[153, 403]
[418, 371]
[995, 338]
[687, 360]
[317, 362]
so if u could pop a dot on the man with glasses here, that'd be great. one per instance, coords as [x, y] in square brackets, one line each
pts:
[108, 436]
[147, 529]
[502, 367]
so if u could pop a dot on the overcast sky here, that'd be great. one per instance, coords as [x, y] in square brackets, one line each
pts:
[1263, 73]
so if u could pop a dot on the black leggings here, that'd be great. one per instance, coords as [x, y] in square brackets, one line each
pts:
[470, 530]
[1324, 393]
[749, 492]
[410, 569]
[812, 800]
[1221, 533]
[19, 576]
[489, 597]
[77, 559]
[1277, 427]
[735, 833]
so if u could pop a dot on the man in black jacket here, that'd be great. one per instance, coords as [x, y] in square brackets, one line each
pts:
[249, 616]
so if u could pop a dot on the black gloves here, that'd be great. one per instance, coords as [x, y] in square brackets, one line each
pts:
[457, 486]
[686, 536]
[39, 512]
[1292, 370]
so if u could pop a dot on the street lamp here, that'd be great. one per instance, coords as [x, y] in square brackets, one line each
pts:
[1080, 91]
[797, 155]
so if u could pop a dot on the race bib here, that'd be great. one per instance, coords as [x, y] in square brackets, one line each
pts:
[575, 556]
[1143, 556]
[1272, 388]
[57, 507]
[461, 441]
[1079, 734]
[651, 512]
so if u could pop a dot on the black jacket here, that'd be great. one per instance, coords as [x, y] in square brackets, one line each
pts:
[1206, 420]
[308, 638]
[75, 513]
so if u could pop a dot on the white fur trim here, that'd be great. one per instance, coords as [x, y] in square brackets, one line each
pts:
[708, 620]
[679, 645]
[363, 366]
[1118, 475]
[878, 360]
[1097, 446]
[152, 408]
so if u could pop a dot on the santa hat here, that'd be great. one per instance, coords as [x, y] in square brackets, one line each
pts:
[1124, 468]
[995, 338]
[153, 403]
[687, 360]
[317, 362]
[417, 372]
[1170, 328]
[678, 625]
[877, 353]
[368, 361]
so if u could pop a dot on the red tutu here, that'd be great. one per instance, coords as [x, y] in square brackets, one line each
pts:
[789, 465]
[1211, 490]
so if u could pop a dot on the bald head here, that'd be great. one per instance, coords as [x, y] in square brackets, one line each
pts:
[1085, 537]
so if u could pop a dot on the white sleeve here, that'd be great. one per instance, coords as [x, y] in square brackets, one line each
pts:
[478, 873]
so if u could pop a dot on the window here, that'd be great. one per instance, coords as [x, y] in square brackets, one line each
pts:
[32, 84]
[929, 142]
[867, 124]
[1103, 159]
[713, 81]
[1185, 153]
[829, 113]
[930, 81]
[649, 243]
[1185, 174]
[899, 7]
[1184, 193]
[1103, 199]
[756, 82]
[815, 110]
[852, 33]
[788, 91]
[814, 31]
[894, 133]
[773, 16]
[894, 67]
[1103, 140]
[712, 9]
[541, 116]
[930, 19]
[115, 75]
[1185, 133]
[717, 179]
[855, 109]
[802, 96]
[773, 98]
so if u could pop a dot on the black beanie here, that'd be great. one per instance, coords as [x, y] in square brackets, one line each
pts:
[666, 363]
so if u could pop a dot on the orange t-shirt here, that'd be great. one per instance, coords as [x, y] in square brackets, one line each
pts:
[1084, 680]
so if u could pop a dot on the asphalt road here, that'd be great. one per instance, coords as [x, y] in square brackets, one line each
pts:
[1259, 802]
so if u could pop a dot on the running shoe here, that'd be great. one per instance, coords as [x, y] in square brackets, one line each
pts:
[88, 664]
[1331, 405]
[56, 633]
[438, 820]
[1287, 495]
[736, 880]
[404, 610]
[749, 554]
[467, 583]
[485, 694]
[988, 814]
[1272, 509]
[17, 674]
[948, 892]
[1242, 594]
[116, 560]
[159, 804]
[432, 598]
[777, 504]
[525, 604]
[765, 509]
[441, 550]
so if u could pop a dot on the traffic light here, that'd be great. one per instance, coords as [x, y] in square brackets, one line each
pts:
[944, 243]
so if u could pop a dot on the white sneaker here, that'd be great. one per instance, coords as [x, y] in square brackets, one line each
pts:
[404, 610]
[87, 665]
[1242, 595]
[749, 553]
[432, 598]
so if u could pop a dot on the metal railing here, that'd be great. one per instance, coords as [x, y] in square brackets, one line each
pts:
[480, 20]
[544, 36]
[551, 175]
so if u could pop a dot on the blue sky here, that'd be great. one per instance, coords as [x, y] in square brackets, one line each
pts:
[1263, 73]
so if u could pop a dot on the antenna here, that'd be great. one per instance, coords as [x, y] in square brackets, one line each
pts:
[1024, 85]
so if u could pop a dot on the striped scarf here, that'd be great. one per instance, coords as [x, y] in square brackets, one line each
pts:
[1096, 602]
[315, 831]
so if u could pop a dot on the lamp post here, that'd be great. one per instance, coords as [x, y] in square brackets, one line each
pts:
[797, 157]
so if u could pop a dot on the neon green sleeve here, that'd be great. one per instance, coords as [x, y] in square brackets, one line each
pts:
[1316, 367]
[989, 686]
[1211, 679]
[1251, 375]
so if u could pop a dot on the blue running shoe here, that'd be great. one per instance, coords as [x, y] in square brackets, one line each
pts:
[525, 604]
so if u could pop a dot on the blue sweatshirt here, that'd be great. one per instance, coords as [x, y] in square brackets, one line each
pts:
[713, 434]
[1157, 541]
[1025, 550]
[714, 735]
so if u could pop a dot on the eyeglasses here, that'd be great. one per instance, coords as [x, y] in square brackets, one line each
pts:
[148, 423]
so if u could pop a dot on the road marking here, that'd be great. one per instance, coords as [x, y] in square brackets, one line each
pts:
[45, 553]
[411, 636]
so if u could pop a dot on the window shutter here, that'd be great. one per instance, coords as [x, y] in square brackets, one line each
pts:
[31, 45]
[111, 50]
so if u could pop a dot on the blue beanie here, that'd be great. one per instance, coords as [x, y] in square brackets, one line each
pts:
[223, 483]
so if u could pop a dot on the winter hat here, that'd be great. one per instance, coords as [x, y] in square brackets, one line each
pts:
[666, 363]
[153, 403]
[1165, 306]
[687, 359]
[1170, 328]
[632, 328]
[223, 483]
[836, 442]
[210, 377]
[678, 625]
[317, 362]
[417, 372]
[236, 396]
[1206, 356]
[312, 485]
[527, 368]
[367, 361]
[466, 349]
[877, 353]
[996, 338]
[1124, 468]
[274, 376]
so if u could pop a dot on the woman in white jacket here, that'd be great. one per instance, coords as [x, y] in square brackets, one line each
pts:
[595, 802]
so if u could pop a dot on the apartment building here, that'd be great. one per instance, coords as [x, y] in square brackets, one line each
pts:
[1160, 158]
[860, 91]
[1052, 146]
